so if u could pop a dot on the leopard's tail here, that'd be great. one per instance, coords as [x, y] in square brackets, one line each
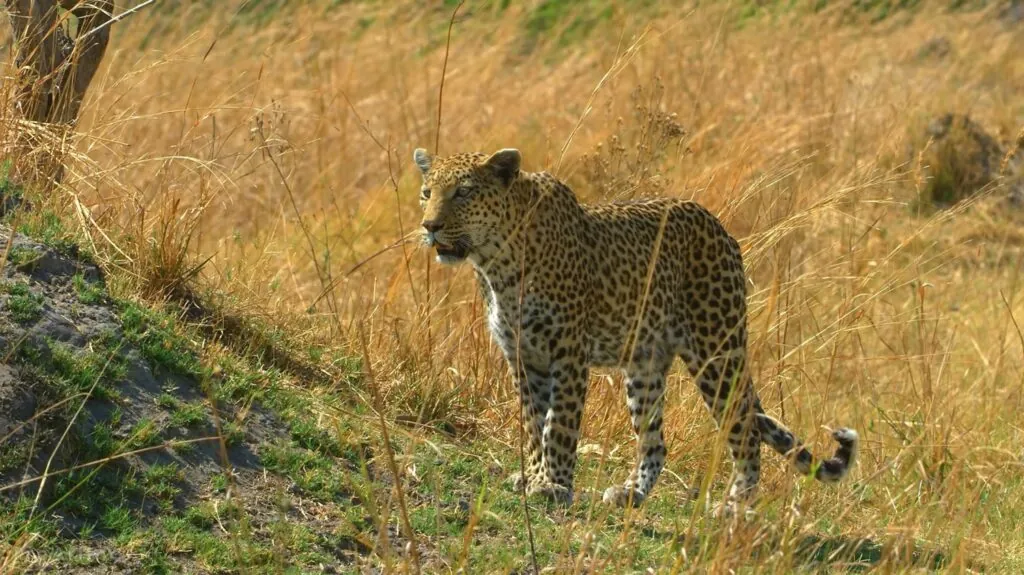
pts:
[781, 439]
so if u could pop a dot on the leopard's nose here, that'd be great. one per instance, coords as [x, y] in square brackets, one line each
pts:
[432, 226]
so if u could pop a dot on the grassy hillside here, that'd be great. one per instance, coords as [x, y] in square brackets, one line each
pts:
[269, 374]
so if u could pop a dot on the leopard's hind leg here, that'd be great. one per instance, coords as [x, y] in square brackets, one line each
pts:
[730, 397]
[645, 396]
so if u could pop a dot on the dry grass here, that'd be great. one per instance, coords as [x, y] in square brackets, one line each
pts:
[278, 156]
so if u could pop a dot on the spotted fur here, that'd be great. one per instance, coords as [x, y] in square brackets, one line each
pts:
[629, 285]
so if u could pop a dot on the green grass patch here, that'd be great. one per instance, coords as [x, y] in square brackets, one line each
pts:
[311, 472]
[189, 415]
[183, 414]
[73, 370]
[23, 258]
[11, 193]
[145, 433]
[234, 433]
[219, 483]
[17, 517]
[158, 339]
[192, 534]
[118, 520]
[101, 441]
[88, 493]
[13, 456]
[65, 370]
[307, 434]
[47, 227]
[89, 293]
[24, 305]
[160, 482]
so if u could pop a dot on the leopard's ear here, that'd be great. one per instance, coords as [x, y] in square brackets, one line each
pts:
[423, 160]
[505, 164]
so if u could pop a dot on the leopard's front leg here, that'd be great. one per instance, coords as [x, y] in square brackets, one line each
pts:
[561, 435]
[535, 399]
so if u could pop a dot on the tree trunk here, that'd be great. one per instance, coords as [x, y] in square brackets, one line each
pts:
[54, 72]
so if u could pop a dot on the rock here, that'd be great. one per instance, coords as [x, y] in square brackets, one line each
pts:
[1016, 196]
[961, 159]
[1012, 14]
[937, 48]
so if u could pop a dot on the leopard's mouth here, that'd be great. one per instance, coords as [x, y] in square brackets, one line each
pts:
[449, 254]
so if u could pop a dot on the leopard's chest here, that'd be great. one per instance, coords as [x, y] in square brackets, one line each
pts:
[517, 324]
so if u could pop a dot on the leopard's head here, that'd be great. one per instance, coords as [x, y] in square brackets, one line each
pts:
[464, 199]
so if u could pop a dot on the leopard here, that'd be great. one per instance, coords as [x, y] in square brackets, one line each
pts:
[629, 286]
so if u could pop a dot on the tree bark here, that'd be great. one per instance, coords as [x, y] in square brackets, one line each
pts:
[55, 70]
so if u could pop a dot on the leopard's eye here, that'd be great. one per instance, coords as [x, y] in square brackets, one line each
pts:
[463, 192]
[425, 193]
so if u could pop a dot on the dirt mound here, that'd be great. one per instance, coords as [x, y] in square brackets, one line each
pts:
[66, 342]
[108, 428]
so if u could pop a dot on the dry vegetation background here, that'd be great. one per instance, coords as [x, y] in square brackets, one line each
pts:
[275, 149]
